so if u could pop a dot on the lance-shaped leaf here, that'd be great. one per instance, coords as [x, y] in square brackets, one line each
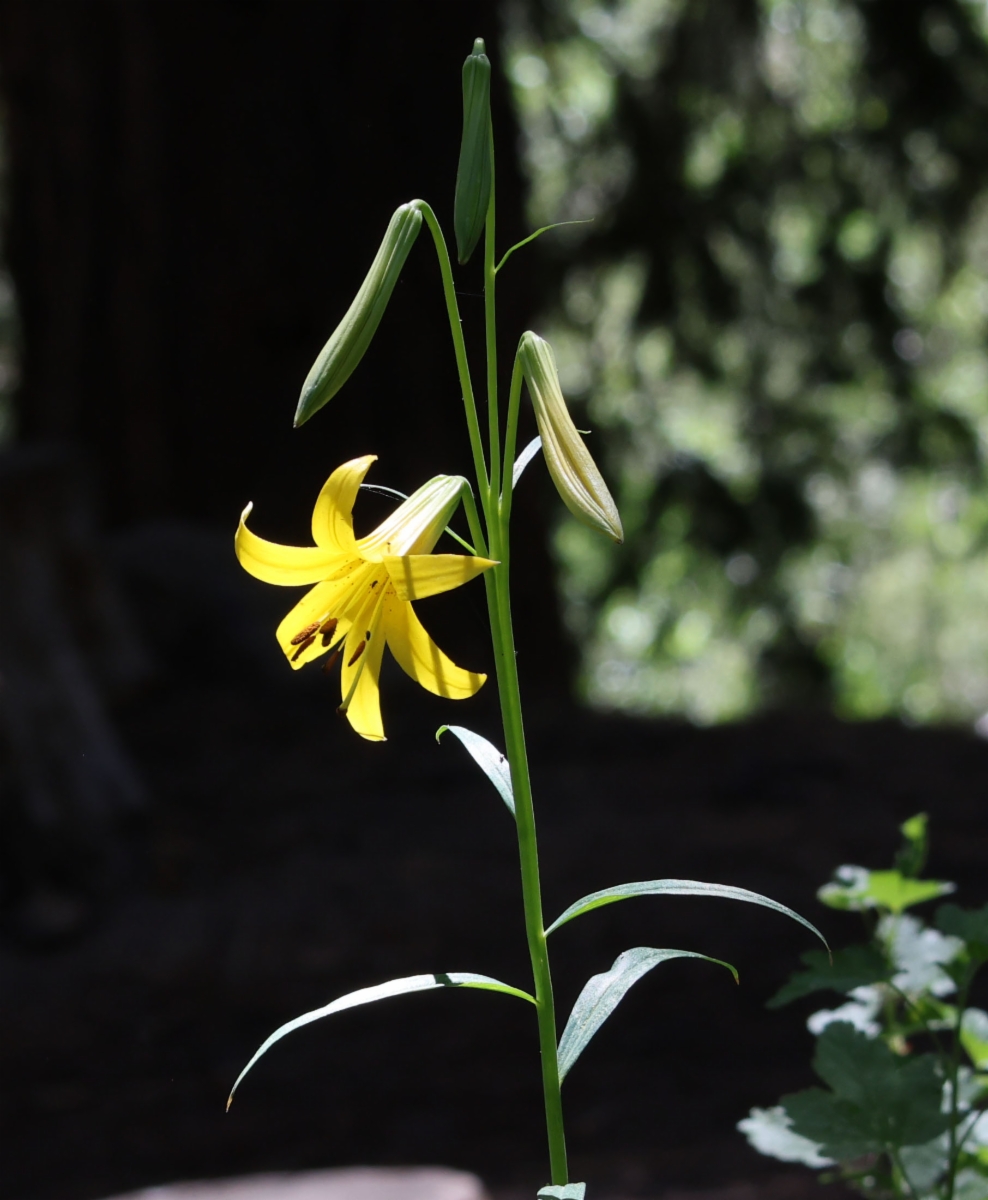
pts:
[490, 760]
[381, 991]
[523, 459]
[473, 173]
[603, 993]
[349, 340]
[676, 887]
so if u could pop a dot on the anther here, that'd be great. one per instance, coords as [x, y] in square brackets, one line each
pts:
[327, 629]
[307, 632]
[357, 653]
[303, 647]
[331, 660]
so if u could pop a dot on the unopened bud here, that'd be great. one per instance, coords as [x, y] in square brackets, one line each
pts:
[570, 464]
[473, 174]
[349, 341]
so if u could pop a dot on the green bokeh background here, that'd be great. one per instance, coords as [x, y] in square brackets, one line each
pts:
[775, 327]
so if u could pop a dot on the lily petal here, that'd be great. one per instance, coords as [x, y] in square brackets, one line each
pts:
[324, 600]
[285, 565]
[416, 576]
[364, 710]
[332, 522]
[420, 657]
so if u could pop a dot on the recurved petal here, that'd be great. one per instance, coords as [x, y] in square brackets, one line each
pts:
[416, 576]
[364, 709]
[315, 608]
[287, 565]
[420, 657]
[332, 523]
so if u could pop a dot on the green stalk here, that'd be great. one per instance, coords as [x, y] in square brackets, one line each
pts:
[462, 364]
[490, 337]
[502, 631]
[953, 1152]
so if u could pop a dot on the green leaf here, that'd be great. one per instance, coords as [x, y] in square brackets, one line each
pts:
[675, 887]
[538, 233]
[878, 1099]
[970, 925]
[490, 760]
[523, 459]
[974, 1036]
[911, 857]
[856, 888]
[563, 1191]
[852, 967]
[603, 993]
[381, 991]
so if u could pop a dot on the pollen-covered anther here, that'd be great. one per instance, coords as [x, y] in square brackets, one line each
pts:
[331, 661]
[327, 629]
[357, 653]
[307, 632]
[303, 647]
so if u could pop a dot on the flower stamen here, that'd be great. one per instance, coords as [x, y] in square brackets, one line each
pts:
[302, 647]
[327, 629]
[307, 632]
[357, 653]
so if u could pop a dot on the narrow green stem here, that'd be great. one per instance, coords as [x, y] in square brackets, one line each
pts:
[510, 441]
[490, 330]
[514, 737]
[953, 1151]
[462, 363]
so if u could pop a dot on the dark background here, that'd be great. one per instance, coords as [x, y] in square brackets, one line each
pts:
[195, 191]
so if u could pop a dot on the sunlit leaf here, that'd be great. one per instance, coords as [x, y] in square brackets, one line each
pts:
[603, 993]
[563, 1191]
[381, 991]
[490, 760]
[857, 888]
[974, 1036]
[676, 887]
[523, 459]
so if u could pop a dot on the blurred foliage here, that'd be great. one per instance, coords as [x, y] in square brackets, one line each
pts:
[776, 321]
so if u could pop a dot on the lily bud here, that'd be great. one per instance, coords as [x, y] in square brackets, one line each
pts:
[349, 341]
[473, 174]
[570, 464]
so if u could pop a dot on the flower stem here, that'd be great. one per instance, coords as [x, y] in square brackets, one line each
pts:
[502, 631]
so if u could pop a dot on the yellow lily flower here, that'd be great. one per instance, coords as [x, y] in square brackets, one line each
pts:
[364, 588]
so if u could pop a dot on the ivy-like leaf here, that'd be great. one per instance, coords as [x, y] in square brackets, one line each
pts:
[855, 966]
[970, 925]
[490, 760]
[877, 1100]
[857, 888]
[603, 993]
[382, 991]
[676, 887]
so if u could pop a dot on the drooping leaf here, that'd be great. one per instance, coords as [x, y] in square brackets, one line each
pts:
[523, 459]
[855, 966]
[878, 1099]
[490, 760]
[675, 887]
[857, 888]
[603, 993]
[563, 1191]
[381, 991]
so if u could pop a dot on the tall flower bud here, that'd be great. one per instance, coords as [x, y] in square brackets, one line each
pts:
[473, 175]
[350, 339]
[570, 464]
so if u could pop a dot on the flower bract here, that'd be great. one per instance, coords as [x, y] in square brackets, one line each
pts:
[364, 587]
